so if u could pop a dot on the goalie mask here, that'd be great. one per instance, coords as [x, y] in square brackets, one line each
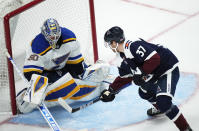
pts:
[51, 31]
[114, 34]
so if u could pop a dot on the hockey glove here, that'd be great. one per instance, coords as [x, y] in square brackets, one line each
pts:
[126, 69]
[107, 95]
[139, 80]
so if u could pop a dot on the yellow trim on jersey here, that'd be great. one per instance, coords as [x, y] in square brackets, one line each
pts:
[31, 43]
[32, 69]
[45, 50]
[66, 40]
[75, 61]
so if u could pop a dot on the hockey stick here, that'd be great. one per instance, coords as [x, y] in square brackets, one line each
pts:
[72, 110]
[42, 108]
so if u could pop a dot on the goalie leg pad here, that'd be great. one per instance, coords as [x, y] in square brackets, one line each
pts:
[65, 87]
[36, 92]
[88, 91]
[24, 107]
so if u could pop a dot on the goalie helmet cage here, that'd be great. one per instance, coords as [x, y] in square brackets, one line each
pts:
[68, 10]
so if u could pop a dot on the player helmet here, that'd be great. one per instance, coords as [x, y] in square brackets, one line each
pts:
[114, 34]
[51, 31]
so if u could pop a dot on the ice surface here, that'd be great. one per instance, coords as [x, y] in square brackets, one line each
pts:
[173, 23]
[128, 108]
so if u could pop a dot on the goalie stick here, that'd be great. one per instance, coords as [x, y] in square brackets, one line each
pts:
[42, 108]
[72, 110]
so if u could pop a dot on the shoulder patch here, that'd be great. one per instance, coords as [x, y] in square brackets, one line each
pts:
[39, 45]
[127, 49]
[127, 44]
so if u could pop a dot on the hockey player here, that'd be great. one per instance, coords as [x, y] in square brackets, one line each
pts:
[157, 79]
[55, 68]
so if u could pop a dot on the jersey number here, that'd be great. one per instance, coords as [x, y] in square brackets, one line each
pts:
[140, 51]
[33, 57]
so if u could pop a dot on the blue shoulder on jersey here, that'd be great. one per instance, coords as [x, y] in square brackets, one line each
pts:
[67, 35]
[40, 45]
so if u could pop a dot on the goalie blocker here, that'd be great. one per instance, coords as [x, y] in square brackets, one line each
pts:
[35, 93]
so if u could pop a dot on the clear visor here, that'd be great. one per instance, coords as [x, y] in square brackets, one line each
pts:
[108, 44]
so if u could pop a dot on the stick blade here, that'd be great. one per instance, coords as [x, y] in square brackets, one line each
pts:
[65, 105]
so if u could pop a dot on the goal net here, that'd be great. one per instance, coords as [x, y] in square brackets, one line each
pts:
[76, 15]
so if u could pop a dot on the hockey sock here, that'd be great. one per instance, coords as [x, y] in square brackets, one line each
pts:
[181, 123]
[177, 117]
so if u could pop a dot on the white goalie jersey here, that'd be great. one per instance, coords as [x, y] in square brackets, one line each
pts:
[40, 56]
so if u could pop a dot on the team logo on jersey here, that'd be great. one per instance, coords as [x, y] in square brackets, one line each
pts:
[61, 59]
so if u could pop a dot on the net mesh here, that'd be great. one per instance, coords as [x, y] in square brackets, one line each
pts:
[5, 7]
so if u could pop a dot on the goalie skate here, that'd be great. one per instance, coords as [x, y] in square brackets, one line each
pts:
[154, 112]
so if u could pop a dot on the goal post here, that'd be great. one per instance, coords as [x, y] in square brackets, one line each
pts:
[7, 18]
[77, 15]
